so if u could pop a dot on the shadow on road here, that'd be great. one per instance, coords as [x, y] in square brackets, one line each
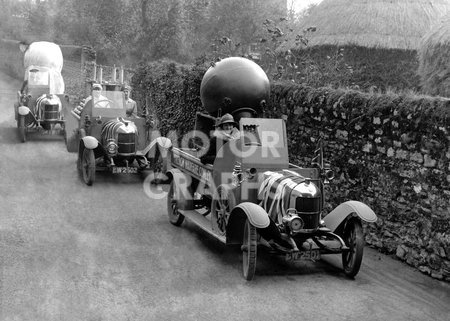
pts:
[268, 264]
[9, 135]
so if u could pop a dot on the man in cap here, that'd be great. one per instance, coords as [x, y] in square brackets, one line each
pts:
[99, 100]
[225, 131]
[131, 106]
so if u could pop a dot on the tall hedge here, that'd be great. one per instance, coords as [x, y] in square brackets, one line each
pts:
[170, 92]
[354, 67]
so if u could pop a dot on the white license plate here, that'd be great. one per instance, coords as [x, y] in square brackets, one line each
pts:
[124, 170]
[312, 255]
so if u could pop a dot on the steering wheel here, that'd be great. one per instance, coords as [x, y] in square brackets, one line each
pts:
[98, 102]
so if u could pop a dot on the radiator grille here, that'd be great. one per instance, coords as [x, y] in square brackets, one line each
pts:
[309, 210]
[51, 112]
[126, 143]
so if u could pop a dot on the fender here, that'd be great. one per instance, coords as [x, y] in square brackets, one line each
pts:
[90, 142]
[182, 183]
[163, 143]
[256, 215]
[349, 208]
[23, 110]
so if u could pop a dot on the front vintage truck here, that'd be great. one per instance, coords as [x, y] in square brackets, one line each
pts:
[251, 188]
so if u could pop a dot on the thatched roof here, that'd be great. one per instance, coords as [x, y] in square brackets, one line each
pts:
[434, 59]
[391, 24]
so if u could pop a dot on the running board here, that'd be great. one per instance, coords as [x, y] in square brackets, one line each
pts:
[204, 223]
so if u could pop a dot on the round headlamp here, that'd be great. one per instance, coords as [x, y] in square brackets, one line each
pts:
[111, 147]
[296, 224]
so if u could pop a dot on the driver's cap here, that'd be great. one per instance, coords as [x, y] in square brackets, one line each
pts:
[96, 86]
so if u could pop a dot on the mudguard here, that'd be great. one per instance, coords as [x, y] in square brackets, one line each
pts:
[161, 145]
[256, 215]
[23, 110]
[184, 191]
[90, 142]
[349, 208]
[71, 128]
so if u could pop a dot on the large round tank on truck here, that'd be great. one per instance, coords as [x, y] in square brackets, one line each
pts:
[235, 85]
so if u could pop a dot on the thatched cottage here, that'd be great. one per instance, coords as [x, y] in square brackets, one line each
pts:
[378, 39]
[434, 59]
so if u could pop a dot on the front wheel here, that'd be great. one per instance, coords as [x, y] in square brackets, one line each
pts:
[249, 246]
[22, 129]
[172, 205]
[88, 166]
[354, 239]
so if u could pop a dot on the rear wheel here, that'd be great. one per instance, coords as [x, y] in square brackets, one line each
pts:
[249, 246]
[354, 239]
[172, 205]
[22, 129]
[88, 166]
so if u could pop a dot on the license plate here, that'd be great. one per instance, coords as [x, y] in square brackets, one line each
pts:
[312, 255]
[124, 170]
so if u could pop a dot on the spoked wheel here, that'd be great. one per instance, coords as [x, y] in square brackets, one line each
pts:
[88, 166]
[22, 129]
[354, 239]
[224, 202]
[249, 246]
[172, 205]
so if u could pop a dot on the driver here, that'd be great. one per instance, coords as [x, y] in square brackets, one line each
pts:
[226, 130]
[100, 101]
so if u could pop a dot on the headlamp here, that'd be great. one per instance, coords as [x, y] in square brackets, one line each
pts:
[111, 147]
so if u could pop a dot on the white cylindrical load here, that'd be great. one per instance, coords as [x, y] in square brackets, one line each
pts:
[45, 54]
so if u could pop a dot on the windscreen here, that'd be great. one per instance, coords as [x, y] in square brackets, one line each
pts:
[263, 132]
[108, 103]
[38, 78]
[109, 99]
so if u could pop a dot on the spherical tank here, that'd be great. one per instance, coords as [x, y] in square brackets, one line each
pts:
[234, 85]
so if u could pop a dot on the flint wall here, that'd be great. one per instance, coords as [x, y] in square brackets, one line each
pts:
[391, 152]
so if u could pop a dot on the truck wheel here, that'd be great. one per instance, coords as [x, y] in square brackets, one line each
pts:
[172, 206]
[88, 166]
[249, 246]
[223, 203]
[354, 239]
[22, 129]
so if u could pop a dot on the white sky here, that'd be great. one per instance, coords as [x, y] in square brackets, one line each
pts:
[302, 4]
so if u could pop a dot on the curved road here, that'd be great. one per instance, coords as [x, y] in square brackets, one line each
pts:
[108, 252]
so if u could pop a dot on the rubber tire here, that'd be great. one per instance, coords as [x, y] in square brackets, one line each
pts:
[249, 250]
[88, 166]
[354, 239]
[175, 217]
[22, 129]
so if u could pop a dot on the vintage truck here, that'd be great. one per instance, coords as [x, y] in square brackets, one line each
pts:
[41, 102]
[103, 135]
[251, 194]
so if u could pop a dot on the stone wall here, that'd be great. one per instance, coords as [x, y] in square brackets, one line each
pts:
[391, 152]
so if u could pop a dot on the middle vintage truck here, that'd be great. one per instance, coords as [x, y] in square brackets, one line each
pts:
[105, 137]
[251, 195]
